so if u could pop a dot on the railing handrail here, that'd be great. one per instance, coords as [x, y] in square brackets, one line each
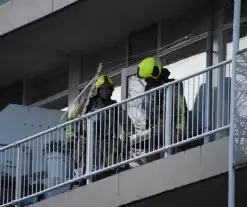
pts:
[117, 104]
[164, 148]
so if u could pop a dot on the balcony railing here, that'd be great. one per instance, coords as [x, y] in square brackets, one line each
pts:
[107, 140]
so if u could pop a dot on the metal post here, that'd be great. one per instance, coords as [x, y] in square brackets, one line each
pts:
[89, 160]
[17, 176]
[168, 118]
[231, 170]
[209, 82]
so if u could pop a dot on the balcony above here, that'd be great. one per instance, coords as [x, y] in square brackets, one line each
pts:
[45, 37]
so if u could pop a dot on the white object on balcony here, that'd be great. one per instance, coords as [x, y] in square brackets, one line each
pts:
[57, 165]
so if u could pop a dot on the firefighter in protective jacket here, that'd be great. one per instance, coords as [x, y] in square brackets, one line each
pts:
[150, 69]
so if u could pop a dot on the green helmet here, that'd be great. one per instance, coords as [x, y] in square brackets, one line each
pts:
[102, 80]
[149, 68]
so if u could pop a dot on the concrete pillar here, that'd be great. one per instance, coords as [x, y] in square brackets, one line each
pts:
[218, 39]
[74, 81]
[209, 78]
[219, 55]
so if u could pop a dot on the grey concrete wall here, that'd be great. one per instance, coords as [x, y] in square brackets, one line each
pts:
[143, 41]
[112, 57]
[14, 14]
[48, 83]
[148, 180]
[212, 192]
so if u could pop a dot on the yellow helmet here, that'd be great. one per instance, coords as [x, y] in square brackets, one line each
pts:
[102, 80]
[149, 68]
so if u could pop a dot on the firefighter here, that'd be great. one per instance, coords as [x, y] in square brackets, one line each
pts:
[106, 126]
[150, 69]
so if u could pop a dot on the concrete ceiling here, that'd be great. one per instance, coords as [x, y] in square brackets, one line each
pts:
[85, 27]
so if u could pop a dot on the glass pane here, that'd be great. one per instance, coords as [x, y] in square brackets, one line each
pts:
[136, 87]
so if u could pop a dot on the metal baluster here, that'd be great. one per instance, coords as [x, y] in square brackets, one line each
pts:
[149, 127]
[40, 163]
[126, 133]
[97, 167]
[53, 167]
[83, 159]
[135, 139]
[66, 153]
[154, 121]
[100, 139]
[104, 161]
[197, 111]
[164, 115]
[168, 119]
[49, 149]
[113, 136]
[74, 149]
[207, 105]
[178, 112]
[145, 106]
[118, 134]
[17, 188]
[223, 90]
[77, 131]
[122, 115]
[159, 122]
[70, 152]
[193, 109]
[29, 166]
[203, 101]
[12, 176]
[182, 110]
[187, 109]
[8, 174]
[89, 148]
[109, 137]
[2, 163]
[173, 113]
[37, 164]
[4, 184]
[213, 108]
[229, 96]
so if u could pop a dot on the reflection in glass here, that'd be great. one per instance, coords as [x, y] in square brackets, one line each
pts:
[136, 87]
